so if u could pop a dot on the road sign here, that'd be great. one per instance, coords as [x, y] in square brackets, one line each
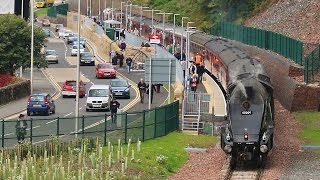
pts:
[154, 38]
[162, 69]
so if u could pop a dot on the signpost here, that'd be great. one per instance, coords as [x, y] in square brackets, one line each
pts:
[160, 71]
[155, 38]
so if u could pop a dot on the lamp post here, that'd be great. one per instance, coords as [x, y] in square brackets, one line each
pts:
[87, 7]
[130, 15]
[20, 73]
[187, 73]
[141, 7]
[152, 11]
[120, 24]
[181, 45]
[78, 74]
[163, 24]
[32, 44]
[188, 53]
[121, 12]
[112, 9]
[99, 10]
[90, 8]
[174, 32]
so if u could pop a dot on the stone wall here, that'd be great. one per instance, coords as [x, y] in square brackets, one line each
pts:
[15, 91]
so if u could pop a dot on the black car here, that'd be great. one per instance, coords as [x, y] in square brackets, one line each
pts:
[120, 88]
[87, 58]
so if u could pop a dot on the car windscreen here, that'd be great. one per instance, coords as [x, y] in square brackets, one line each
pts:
[119, 84]
[86, 55]
[50, 53]
[36, 98]
[98, 93]
[76, 47]
[106, 66]
[71, 83]
[59, 25]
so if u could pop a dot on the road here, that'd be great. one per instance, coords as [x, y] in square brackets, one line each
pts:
[65, 107]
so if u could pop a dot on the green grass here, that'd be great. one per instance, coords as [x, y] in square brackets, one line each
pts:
[42, 11]
[310, 122]
[171, 146]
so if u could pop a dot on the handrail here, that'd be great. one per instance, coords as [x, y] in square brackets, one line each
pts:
[199, 103]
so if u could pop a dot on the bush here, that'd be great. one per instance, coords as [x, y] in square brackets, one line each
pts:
[5, 79]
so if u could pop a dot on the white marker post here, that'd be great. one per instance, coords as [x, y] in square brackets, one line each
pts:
[78, 74]
[150, 85]
[32, 45]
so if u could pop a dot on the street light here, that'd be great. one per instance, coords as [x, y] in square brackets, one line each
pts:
[152, 11]
[130, 5]
[78, 74]
[174, 32]
[120, 24]
[141, 7]
[187, 53]
[163, 21]
[121, 12]
[22, 18]
[32, 45]
[181, 45]
[187, 73]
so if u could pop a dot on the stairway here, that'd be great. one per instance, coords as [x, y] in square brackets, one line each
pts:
[191, 124]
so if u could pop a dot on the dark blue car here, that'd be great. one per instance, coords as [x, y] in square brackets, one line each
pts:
[40, 103]
[120, 88]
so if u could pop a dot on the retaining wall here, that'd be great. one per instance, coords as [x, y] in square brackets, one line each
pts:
[15, 91]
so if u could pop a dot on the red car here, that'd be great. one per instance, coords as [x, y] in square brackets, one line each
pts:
[105, 70]
[69, 89]
[46, 23]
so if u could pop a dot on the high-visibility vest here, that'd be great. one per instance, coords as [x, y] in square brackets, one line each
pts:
[198, 59]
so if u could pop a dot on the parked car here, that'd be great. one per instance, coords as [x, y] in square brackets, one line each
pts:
[46, 31]
[120, 88]
[46, 23]
[74, 50]
[51, 56]
[87, 58]
[99, 97]
[40, 103]
[59, 26]
[105, 70]
[69, 89]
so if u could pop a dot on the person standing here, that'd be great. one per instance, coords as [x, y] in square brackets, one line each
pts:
[193, 83]
[121, 57]
[21, 128]
[129, 63]
[142, 89]
[114, 106]
[153, 89]
[200, 72]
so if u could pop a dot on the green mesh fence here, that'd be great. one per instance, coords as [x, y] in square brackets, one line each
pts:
[59, 9]
[142, 125]
[278, 43]
[312, 66]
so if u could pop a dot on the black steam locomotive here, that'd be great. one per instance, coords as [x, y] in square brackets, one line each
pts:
[248, 135]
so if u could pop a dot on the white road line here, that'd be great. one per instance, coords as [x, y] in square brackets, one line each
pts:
[33, 128]
[52, 121]
[9, 134]
[67, 114]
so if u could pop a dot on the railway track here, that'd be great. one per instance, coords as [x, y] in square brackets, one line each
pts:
[243, 172]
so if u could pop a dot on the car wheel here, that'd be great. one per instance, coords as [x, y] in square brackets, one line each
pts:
[57, 62]
[28, 113]
[64, 96]
[92, 64]
[87, 110]
[54, 111]
[128, 97]
[48, 112]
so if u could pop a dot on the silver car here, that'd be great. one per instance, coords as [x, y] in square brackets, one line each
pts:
[51, 56]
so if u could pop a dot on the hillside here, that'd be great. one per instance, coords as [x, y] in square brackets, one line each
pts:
[298, 19]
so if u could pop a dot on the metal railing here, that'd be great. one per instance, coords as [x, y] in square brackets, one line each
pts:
[143, 125]
[312, 66]
[276, 42]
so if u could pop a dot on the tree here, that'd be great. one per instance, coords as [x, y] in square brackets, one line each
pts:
[15, 44]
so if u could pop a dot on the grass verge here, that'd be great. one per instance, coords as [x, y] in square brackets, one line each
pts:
[42, 11]
[163, 156]
[310, 132]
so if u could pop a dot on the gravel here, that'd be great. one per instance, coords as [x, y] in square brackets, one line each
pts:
[298, 19]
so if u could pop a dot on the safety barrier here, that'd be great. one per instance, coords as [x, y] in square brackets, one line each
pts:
[142, 125]
[278, 43]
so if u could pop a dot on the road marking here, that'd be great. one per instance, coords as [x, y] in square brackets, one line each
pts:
[67, 114]
[52, 121]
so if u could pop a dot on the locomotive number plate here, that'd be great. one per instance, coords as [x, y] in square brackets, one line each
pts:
[246, 112]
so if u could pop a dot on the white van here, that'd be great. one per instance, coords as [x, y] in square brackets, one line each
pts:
[99, 97]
